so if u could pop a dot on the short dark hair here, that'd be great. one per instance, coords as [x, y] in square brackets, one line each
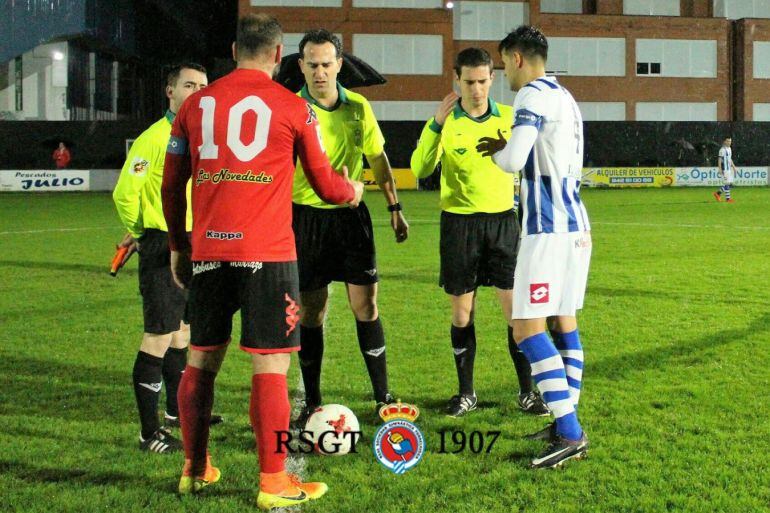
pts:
[257, 33]
[526, 40]
[319, 37]
[173, 73]
[471, 58]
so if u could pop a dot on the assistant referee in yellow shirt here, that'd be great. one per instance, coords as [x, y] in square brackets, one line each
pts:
[163, 354]
[337, 243]
[479, 229]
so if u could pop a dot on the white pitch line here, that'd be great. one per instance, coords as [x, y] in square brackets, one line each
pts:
[52, 230]
[680, 225]
[295, 464]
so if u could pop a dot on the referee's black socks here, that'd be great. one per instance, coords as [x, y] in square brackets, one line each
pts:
[174, 362]
[523, 369]
[371, 340]
[464, 347]
[147, 383]
[311, 353]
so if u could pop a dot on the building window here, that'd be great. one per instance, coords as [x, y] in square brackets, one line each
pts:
[587, 56]
[676, 111]
[761, 112]
[562, 6]
[103, 84]
[19, 83]
[291, 41]
[404, 110]
[500, 90]
[737, 9]
[761, 59]
[676, 58]
[603, 111]
[401, 54]
[296, 3]
[402, 4]
[487, 21]
[651, 7]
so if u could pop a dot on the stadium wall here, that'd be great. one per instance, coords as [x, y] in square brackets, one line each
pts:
[102, 145]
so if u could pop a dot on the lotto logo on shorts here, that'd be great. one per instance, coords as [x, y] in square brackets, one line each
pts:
[538, 293]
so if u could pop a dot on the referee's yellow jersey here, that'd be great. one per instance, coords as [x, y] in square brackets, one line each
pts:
[349, 130]
[470, 183]
[137, 194]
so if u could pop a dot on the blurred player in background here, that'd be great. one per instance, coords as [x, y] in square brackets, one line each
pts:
[479, 228]
[335, 243]
[238, 139]
[546, 142]
[163, 353]
[726, 170]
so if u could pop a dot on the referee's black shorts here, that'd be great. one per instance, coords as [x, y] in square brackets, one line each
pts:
[478, 250]
[334, 245]
[163, 303]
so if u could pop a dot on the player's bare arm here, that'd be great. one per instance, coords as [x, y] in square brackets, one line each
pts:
[383, 175]
[181, 268]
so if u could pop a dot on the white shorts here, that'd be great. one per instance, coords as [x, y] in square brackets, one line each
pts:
[729, 177]
[551, 274]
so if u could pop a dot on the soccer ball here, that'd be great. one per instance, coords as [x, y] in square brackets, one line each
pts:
[334, 429]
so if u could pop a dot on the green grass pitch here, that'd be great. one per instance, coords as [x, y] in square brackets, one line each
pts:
[676, 330]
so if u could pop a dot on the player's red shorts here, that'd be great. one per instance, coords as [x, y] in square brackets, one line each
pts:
[266, 293]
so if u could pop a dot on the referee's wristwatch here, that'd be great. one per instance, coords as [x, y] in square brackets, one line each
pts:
[395, 207]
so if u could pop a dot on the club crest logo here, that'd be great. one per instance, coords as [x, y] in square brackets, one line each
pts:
[399, 444]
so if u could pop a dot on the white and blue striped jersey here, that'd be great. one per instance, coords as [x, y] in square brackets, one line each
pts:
[727, 158]
[550, 176]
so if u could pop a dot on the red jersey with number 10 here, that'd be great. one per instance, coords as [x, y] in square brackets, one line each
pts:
[238, 139]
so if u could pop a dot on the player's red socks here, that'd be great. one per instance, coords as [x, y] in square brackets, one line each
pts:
[196, 397]
[269, 411]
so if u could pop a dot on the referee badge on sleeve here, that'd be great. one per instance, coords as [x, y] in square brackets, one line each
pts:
[139, 166]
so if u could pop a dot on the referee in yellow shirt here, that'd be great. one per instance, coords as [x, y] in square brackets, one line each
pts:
[337, 243]
[163, 353]
[479, 229]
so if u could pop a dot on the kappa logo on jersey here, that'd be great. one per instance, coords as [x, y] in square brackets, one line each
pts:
[538, 293]
[139, 166]
[211, 234]
[292, 313]
[311, 115]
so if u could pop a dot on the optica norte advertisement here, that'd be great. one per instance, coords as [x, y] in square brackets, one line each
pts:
[709, 176]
